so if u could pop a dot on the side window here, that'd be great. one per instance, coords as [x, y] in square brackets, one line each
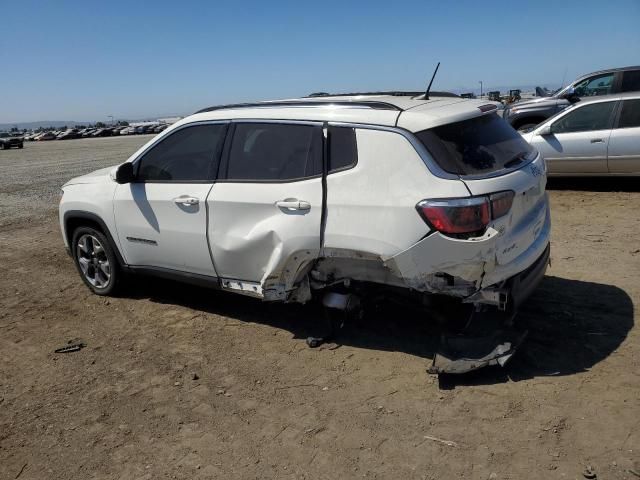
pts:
[590, 87]
[189, 154]
[596, 116]
[274, 151]
[630, 81]
[343, 150]
[630, 114]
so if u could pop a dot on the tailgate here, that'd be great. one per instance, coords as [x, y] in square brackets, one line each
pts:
[523, 225]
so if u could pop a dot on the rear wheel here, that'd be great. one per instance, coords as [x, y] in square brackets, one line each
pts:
[96, 262]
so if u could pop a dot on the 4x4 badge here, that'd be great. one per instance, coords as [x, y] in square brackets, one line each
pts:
[535, 171]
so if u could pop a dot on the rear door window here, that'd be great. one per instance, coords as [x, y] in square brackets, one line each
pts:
[630, 114]
[630, 81]
[476, 146]
[274, 152]
[595, 116]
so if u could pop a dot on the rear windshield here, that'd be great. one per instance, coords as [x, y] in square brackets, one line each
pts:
[476, 146]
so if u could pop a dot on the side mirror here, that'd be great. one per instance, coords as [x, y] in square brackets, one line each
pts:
[546, 130]
[572, 95]
[124, 174]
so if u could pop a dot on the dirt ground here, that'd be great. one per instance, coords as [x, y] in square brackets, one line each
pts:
[183, 382]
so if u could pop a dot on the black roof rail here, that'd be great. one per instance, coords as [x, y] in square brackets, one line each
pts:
[307, 103]
[391, 93]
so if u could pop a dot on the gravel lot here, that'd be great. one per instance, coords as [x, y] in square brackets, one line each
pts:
[181, 382]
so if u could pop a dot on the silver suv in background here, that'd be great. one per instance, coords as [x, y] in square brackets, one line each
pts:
[526, 114]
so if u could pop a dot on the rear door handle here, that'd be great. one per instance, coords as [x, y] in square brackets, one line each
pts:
[186, 200]
[293, 204]
[597, 140]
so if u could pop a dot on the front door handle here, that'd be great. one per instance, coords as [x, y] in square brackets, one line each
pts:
[597, 140]
[293, 204]
[186, 200]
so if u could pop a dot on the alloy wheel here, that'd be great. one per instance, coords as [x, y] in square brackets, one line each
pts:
[93, 261]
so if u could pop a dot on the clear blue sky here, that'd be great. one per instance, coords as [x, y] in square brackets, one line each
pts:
[68, 60]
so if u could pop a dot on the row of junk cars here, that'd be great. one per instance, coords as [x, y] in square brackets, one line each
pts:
[72, 133]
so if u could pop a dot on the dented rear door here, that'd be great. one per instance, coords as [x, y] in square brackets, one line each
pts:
[265, 207]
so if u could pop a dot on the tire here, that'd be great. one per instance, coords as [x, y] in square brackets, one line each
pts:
[96, 261]
[21, 145]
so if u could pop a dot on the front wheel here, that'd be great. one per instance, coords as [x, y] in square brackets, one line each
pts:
[96, 262]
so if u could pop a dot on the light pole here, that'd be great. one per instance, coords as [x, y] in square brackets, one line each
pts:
[480, 82]
[111, 117]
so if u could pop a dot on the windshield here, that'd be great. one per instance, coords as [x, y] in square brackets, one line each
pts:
[476, 146]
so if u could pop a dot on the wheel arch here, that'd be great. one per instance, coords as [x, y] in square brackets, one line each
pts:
[78, 218]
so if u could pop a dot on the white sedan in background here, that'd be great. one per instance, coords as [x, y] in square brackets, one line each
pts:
[595, 137]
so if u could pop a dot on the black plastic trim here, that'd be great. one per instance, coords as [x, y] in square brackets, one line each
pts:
[522, 285]
[81, 214]
[177, 275]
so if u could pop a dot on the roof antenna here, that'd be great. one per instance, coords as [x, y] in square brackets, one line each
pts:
[426, 94]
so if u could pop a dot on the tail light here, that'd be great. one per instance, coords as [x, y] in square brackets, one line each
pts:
[462, 217]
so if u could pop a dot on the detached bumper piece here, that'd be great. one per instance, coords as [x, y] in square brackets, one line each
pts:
[473, 348]
[462, 354]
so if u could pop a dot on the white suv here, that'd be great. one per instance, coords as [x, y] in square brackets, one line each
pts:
[292, 199]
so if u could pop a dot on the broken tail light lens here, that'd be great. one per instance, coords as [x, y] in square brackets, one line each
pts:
[463, 217]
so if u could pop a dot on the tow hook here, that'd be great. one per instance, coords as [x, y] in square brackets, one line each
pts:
[497, 297]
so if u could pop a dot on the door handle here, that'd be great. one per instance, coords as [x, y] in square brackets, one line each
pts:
[186, 200]
[597, 140]
[293, 204]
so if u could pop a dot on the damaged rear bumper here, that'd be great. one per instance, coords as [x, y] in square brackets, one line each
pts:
[464, 353]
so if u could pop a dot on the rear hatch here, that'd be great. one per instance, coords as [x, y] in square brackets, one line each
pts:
[489, 156]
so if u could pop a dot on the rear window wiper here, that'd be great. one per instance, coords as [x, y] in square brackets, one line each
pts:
[517, 159]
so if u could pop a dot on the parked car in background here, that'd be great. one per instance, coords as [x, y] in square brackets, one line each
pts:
[526, 114]
[102, 132]
[46, 136]
[9, 140]
[279, 212]
[596, 137]
[88, 133]
[68, 134]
